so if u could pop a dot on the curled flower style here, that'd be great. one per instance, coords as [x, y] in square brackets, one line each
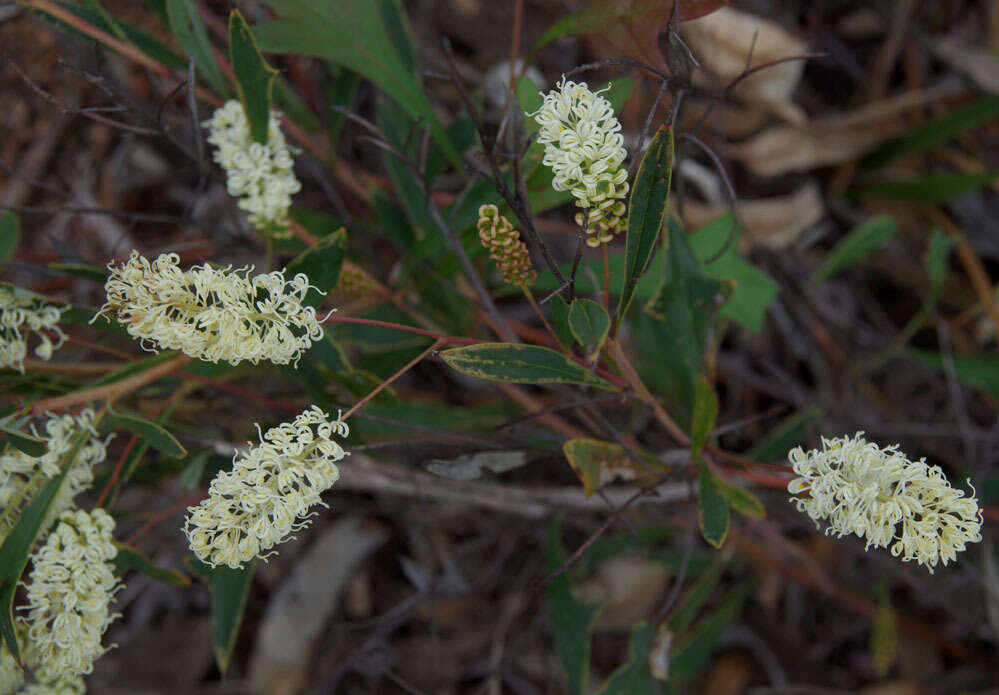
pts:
[269, 491]
[585, 150]
[261, 176]
[883, 497]
[213, 314]
[69, 594]
[22, 475]
[21, 316]
[505, 247]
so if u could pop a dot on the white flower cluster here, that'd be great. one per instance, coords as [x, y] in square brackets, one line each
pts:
[18, 317]
[269, 491]
[69, 591]
[22, 475]
[12, 676]
[882, 496]
[210, 313]
[261, 176]
[585, 149]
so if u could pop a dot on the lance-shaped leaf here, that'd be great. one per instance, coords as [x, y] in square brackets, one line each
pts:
[560, 320]
[229, 590]
[694, 650]
[189, 30]
[321, 264]
[254, 77]
[705, 412]
[712, 510]
[17, 546]
[149, 432]
[355, 34]
[128, 558]
[589, 323]
[10, 233]
[635, 676]
[597, 462]
[685, 306]
[741, 500]
[862, 240]
[521, 364]
[646, 210]
[572, 619]
[32, 446]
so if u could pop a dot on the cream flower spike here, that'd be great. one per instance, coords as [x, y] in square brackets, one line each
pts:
[269, 491]
[20, 316]
[212, 314]
[883, 497]
[585, 150]
[17, 469]
[261, 176]
[69, 594]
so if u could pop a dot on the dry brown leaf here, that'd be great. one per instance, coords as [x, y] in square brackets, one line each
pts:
[771, 222]
[833, 139]
[724, 40]
[627, 588]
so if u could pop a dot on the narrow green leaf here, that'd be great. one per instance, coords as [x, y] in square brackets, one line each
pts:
[936, 260]
[696, 596]
[932, 189]
[17, 546]
[83, 270]
[939, 130]
[884, 634]
[143, 41]
[741, 500]
[254, 77]
[363, 43]
[188, 29]
[521, 364]
[572, 619]
[695, 650]
[705, 413]
[229, 590]
[150, 432]
[31, 445]
[589, 323]
[684, 308]
[10, 233]
[646, 211]
[978, 371]
[862, 240]
[787, 434]
[190, 477]
[712, 510]
[321, 264]
[635, 677]
[128, 558]
[560, 320]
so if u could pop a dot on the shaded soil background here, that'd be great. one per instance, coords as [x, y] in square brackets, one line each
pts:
[415, 583]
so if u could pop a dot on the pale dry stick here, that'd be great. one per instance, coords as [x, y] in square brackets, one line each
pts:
[530, 502]
[109, 392]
